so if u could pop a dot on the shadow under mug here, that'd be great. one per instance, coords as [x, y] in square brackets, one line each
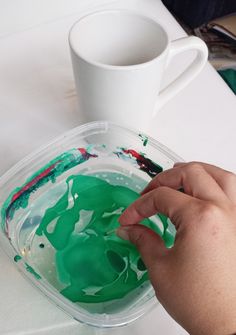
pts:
[119, 58]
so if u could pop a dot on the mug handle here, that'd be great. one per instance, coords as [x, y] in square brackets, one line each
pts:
[176, 47]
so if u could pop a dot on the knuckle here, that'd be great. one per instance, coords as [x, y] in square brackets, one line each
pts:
[210, 220]
[161, 190]
[139, 210]
[158, 194]
[229, 178]
[193, 167]
[138, 237]
[209, 213]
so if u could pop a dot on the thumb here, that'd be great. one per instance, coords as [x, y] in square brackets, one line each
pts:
[148, 243]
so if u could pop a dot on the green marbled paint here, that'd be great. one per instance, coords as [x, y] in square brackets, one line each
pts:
[94, 266]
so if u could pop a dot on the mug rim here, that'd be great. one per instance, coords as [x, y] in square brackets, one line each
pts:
[118, 67]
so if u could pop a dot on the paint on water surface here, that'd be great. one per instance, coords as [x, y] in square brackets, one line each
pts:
[84, 262]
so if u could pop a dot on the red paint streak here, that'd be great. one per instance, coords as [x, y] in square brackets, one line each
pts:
[43, 174]
[33, 182]
[145, 164]
[85, 153]
[133, 153]
[82, 151]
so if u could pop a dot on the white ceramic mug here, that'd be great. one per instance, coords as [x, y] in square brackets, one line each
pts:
[119, 58]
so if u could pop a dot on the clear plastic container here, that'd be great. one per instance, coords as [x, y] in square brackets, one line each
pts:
[119, 156]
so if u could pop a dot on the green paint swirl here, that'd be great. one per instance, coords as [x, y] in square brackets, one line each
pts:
[92, 265]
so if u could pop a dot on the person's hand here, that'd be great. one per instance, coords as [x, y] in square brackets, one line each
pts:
[195, 280]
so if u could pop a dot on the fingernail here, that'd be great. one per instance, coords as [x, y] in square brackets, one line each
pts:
[122, 232]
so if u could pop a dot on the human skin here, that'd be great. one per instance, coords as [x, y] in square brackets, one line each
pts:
[195, 280]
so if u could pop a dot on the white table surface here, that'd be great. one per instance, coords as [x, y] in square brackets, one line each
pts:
[38, 103]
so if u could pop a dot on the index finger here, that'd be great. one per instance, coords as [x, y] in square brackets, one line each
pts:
[165, 200]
